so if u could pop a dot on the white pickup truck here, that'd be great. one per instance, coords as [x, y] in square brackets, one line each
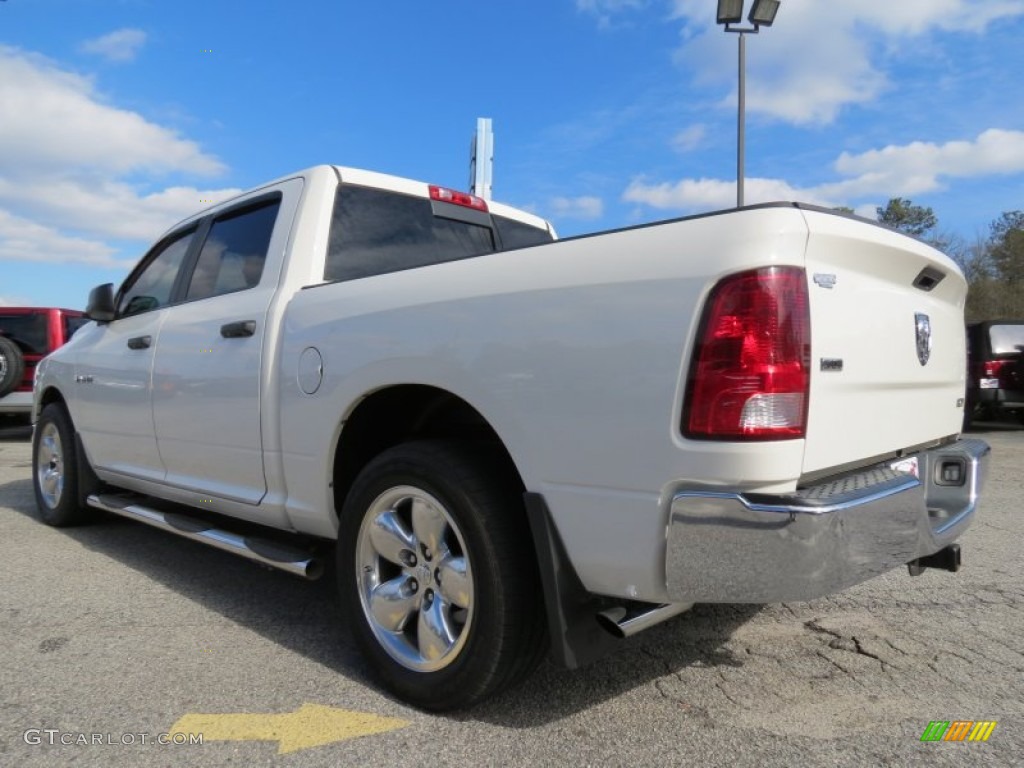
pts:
[520, 445]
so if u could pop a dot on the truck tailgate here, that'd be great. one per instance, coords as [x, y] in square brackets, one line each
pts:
[888, 359]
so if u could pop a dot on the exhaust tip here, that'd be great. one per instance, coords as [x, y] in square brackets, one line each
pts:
[623, 621]
[610, 620]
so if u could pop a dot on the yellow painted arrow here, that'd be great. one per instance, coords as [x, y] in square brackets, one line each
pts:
[312, 725]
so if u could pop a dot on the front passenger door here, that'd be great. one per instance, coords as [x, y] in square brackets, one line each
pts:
[112, 401]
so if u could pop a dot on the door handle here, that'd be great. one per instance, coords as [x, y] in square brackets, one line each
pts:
[140, 342]
[238, 330]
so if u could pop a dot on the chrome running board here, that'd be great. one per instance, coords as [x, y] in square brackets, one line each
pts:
[272, 553]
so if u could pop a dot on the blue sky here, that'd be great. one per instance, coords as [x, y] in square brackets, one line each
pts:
[118, 117]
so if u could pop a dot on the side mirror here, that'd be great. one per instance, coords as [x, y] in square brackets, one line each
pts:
[101, 303]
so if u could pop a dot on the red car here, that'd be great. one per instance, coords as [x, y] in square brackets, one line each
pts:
[27, 335]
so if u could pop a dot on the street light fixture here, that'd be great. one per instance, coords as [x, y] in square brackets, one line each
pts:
[762, 14]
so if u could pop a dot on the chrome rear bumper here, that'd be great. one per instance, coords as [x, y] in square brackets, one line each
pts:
[725, 547]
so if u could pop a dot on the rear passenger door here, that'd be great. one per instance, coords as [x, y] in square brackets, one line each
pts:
[209, 374]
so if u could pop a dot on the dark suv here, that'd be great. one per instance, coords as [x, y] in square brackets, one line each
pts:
[995, 368]
[27, 335]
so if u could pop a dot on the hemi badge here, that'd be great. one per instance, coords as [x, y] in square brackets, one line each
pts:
[825, 280]
[831, 364]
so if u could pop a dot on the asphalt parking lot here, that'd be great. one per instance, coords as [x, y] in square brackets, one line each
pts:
[117, 633]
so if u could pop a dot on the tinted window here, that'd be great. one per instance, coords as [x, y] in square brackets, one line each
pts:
[234, 252]
[515, 234]
[72, 324]
[374, 232]
[151, 288]
[27, 331]
[1006, 339]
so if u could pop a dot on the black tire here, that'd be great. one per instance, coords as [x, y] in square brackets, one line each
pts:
[12, 366]
[492, 617]
[55, 470]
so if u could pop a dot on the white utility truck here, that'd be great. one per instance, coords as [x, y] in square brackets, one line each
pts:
[518, 444]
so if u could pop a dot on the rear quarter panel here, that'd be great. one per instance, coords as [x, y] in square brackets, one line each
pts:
[575, 353]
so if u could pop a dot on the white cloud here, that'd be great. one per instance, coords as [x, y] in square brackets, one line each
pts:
[915, 17]
[893, 171]
[109, 208]
[920, 166]
[702, 194]
[604, 10]
[15, 301]
[119, 45]
[576, 207]
[689, 139]
[867, 210]
[604, 7]
[25, 240]
[814, 61]
[74, 170]
[55, 119]
[903, 17]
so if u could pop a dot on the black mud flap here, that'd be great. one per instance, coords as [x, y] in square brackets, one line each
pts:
[88, 483]
[576, 637]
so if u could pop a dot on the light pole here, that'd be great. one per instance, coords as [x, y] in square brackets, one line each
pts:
[762, 14]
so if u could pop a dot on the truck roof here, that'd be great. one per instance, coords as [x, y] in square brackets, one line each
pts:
[382, 181]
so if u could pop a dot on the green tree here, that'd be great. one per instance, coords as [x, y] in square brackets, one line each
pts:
[901, 214]
[1006, 248]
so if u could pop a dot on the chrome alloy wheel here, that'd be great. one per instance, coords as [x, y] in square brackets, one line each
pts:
[415, 580]
[50, 465]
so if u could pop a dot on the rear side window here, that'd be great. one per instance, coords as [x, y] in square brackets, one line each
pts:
[233, 254]
[374, 231]
[27, 331]
[1006, 339]
[515, 234]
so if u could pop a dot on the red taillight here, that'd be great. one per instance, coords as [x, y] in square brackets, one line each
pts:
[750, 375]
[445, 195]
[993, 369]
[996, 374]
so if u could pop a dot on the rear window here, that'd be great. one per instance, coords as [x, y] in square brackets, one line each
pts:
[515, 234]
[374, 231]
[1006, 339]
[27, 331]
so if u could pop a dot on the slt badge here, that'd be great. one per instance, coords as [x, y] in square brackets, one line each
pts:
[924, 337]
